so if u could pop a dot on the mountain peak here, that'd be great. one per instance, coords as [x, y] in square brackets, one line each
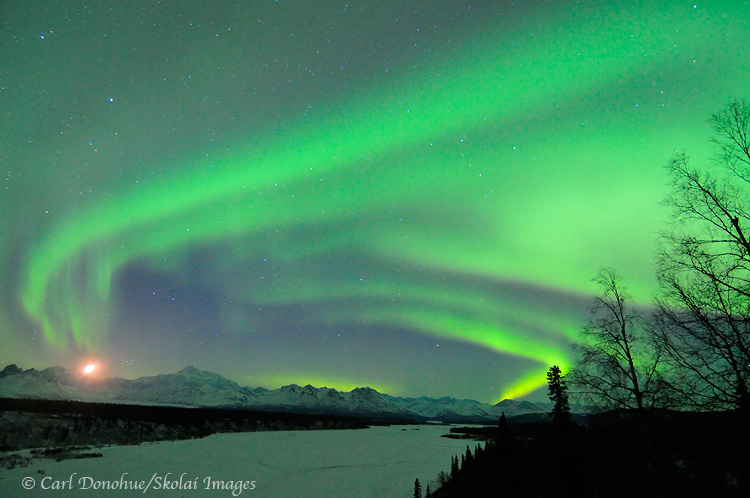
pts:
[11, 369]
[190, 370]
[55, 373]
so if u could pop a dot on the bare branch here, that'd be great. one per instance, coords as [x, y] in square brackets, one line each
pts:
[704, 271]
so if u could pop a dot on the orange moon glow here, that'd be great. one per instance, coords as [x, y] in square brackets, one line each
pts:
[89, 368]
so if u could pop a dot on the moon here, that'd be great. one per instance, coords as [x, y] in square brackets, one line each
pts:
[89, 368]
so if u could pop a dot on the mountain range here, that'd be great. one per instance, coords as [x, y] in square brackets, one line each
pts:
[192, 387]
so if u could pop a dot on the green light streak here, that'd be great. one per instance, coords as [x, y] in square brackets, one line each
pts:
[393, 151]
[487, 335]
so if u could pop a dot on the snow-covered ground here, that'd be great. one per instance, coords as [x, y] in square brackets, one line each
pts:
[377, 462]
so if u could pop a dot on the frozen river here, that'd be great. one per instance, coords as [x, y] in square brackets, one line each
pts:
[377, 462]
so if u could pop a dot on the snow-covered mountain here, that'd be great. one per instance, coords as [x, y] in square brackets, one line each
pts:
[467, 410]
[189, 386]
[194, 387]
[512, 408]
[360, 401]
[446, 408]
[51, 383]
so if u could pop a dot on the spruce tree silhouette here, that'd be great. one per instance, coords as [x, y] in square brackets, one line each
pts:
[558, 394]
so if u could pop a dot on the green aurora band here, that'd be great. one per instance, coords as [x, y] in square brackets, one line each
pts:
[413, 181]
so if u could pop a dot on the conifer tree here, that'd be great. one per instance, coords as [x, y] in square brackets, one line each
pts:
[503, 422]
[417, 489]
[558, 394]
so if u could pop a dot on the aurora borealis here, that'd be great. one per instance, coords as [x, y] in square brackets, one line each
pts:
[412, 196]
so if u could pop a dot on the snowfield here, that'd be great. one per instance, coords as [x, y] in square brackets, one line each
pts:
[378, 462]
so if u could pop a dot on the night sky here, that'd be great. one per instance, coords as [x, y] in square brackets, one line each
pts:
[412, 196]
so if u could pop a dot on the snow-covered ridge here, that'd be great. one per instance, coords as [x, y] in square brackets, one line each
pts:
[193, 387]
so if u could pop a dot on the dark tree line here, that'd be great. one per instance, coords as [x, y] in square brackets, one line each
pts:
[688, 457]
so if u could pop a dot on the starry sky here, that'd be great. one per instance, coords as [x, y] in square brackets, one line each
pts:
[412, 196]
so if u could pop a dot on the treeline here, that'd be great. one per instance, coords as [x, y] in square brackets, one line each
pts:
[29, 423]
[683, 454]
